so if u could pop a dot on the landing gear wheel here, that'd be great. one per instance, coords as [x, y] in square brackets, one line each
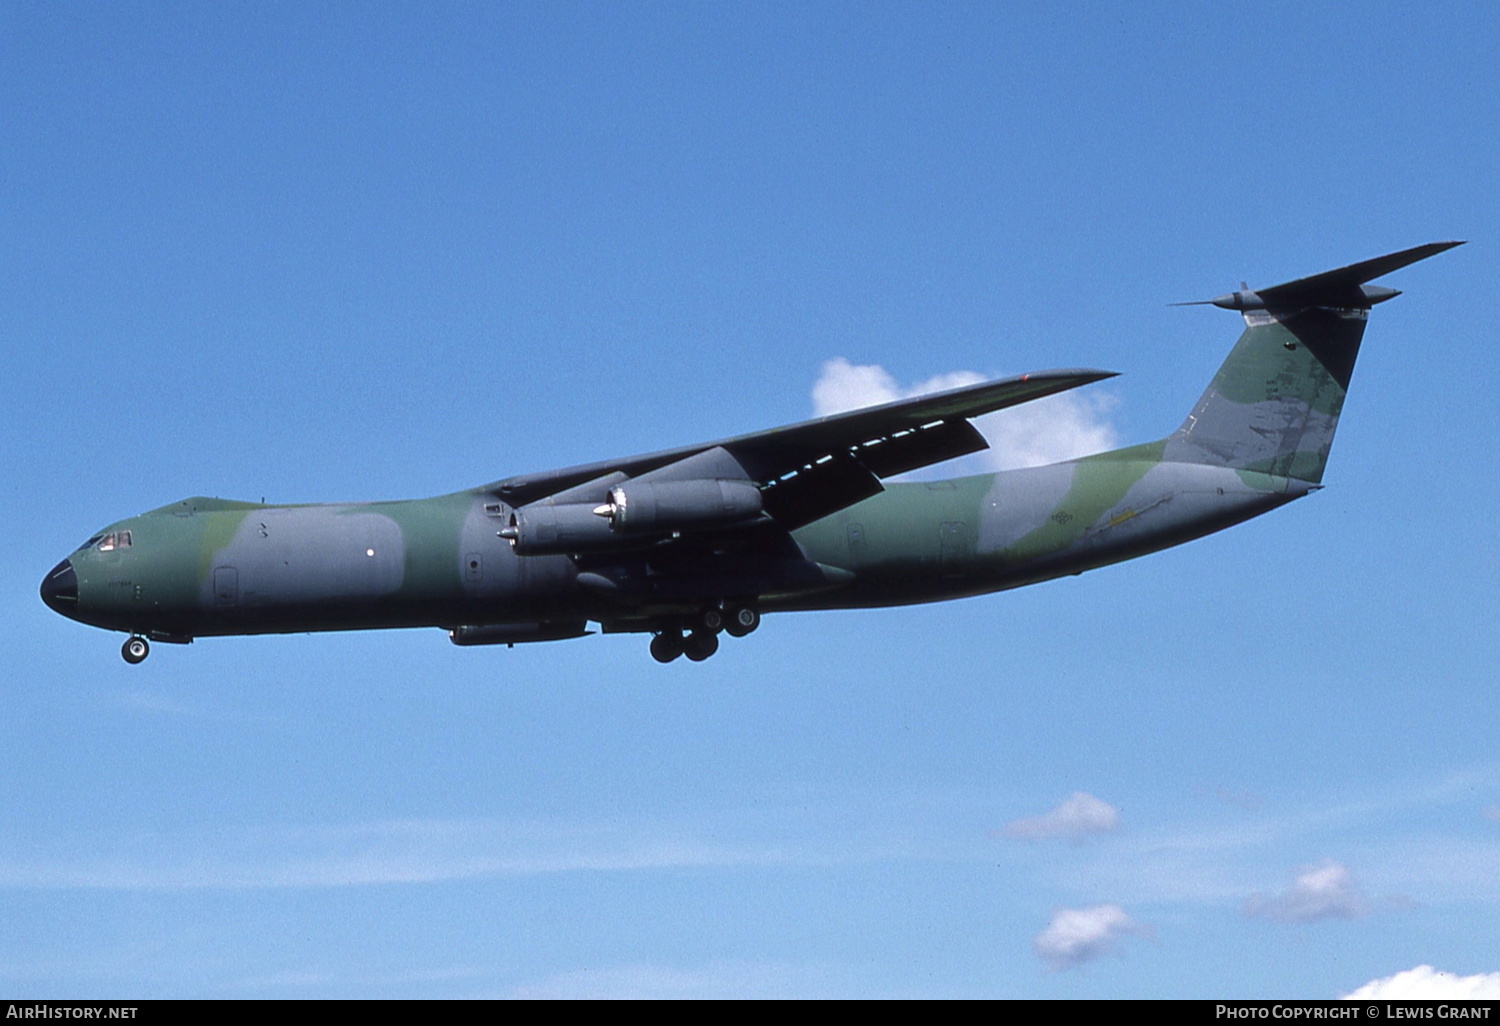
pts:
[711, 621]
[741, 621]
[666, 646]
[135, 650]
[701, 645]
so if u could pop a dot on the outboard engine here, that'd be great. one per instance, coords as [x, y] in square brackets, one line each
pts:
[704, 491]
[644, 506]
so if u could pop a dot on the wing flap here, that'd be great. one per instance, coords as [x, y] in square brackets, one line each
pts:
[920, 447]
[799, 444]
[813, 492]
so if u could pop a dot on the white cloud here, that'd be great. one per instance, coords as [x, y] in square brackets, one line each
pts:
[1079, 815]
[843, 386]
[1079, 935]
[1206, 857]
[1424, 983]
[1059, 427]
[1322, 891]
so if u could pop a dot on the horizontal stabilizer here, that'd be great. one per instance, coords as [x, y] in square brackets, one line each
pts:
[1344, 287]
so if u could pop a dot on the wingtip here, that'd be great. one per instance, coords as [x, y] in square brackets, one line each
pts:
[1082, 375]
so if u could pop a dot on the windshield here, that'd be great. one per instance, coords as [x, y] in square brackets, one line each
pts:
[114, 540]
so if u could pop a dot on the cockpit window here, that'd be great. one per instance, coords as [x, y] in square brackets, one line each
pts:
[90, 543]
[114, 540]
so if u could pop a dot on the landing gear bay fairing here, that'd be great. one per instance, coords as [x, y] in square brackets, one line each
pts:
[691, 543]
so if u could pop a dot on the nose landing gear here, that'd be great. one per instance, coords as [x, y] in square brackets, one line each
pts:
[135, 650]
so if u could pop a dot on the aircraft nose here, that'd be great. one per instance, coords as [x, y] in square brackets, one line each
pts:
[60, 589]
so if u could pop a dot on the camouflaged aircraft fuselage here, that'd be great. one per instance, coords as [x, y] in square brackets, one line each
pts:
[689, 542]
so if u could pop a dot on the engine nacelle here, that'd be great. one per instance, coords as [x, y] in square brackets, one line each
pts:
[636, 510]
[545, 529]
[640, 507]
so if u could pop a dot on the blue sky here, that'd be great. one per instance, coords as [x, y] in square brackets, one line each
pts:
[346, 252]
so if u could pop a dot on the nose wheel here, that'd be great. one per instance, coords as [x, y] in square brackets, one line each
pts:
[135, 650]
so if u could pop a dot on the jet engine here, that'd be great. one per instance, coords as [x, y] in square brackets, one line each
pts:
[644, 506]
[543, 528]
[634, 512]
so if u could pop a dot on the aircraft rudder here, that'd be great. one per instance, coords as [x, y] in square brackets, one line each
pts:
[1275, 402]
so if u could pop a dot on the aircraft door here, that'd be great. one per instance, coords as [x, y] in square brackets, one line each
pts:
[953, 540]
[226, 586]
[856, 546]
[488, 570]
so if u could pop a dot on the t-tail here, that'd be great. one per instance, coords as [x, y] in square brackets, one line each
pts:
[1274, 404]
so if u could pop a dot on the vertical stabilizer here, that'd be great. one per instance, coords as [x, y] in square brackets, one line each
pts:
[1275, 403]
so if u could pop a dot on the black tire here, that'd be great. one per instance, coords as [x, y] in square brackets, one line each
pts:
[135, 650]
[741, 621]
[700, 646]
[666, 646]
[711, 620]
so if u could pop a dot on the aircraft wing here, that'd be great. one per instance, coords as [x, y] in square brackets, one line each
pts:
[807, 471]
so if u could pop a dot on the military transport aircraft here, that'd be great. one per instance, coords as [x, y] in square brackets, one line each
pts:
[690, 542]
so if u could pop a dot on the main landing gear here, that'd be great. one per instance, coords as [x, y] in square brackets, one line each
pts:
[701, 639]
[135, 650]
[741, 621]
